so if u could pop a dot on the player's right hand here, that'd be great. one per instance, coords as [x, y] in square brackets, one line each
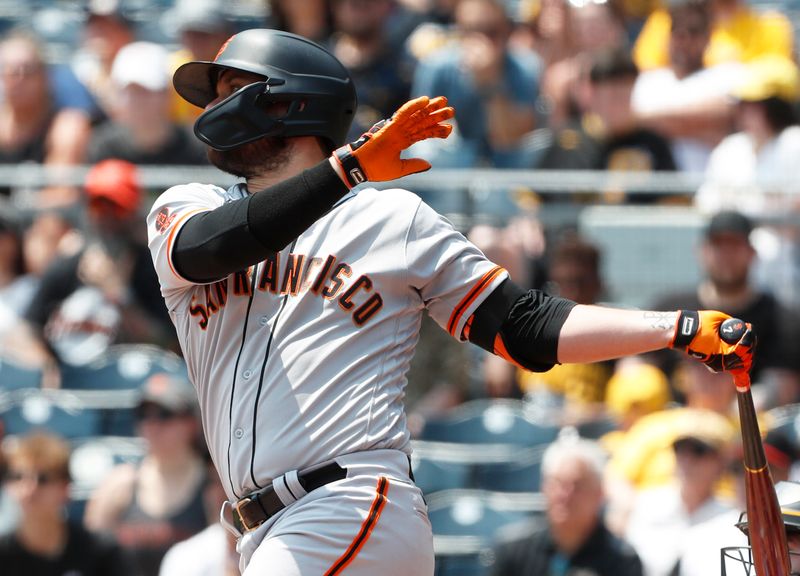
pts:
[698, 334]
[376, 155]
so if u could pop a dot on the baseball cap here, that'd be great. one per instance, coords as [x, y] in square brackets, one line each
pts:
[706, 427]
[171, 391]
[142, 63]
[769, 77]
[117, 181]
[106, 9]
[642, 386]
[729, 222]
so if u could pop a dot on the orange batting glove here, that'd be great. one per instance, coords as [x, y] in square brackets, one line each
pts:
[376, 155]
[698, 334]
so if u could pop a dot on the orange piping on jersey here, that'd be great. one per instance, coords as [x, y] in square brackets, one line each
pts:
[471, 296]
[366, 529]
[500, 350]
[172, 237]
[467, 327]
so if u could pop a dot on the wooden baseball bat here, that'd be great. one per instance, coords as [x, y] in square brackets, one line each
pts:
[765, 525]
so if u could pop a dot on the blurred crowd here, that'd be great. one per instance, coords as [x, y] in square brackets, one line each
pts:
[705, 88]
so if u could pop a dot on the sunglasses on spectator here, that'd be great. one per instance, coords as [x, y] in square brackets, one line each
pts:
[693, 447]
[39, 478]
[155, 413]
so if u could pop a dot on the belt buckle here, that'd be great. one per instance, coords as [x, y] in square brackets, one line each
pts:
[242, 521]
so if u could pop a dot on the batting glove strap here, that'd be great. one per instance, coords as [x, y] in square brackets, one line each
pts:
[686, 328]
[348, 167]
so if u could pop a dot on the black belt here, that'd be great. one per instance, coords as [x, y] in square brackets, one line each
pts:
[253, 510]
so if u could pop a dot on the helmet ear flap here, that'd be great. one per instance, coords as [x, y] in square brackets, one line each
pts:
[238, 119]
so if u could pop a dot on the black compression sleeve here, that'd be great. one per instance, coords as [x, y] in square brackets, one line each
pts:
[531, 330]
[239, 234]
[529, 324]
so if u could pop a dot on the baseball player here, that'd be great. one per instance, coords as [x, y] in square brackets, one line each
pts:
[297, 303]
[738, 561]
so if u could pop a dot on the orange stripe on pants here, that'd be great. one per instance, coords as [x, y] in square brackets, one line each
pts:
[366, 529]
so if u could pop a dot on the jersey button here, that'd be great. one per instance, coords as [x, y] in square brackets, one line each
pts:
[246, 374]
[238, 433]
[263, 320]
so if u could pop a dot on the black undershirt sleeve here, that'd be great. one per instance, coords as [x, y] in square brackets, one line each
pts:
[529, 324]
[238, 234]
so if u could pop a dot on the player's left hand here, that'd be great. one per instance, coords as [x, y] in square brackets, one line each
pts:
[697, 333]
[376, 155]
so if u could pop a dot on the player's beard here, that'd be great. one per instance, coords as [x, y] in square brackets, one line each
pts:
[252, 159]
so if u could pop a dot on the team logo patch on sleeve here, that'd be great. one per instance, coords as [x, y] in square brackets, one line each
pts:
[163, 220]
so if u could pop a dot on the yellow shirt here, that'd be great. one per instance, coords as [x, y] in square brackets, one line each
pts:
[744, 37]
[578, 383]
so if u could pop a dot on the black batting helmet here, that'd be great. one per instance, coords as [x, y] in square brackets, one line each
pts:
[319, 93]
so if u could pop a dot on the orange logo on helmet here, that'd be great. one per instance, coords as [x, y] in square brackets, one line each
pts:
[222, 48]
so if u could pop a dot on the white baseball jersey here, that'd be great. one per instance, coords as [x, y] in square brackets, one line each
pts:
[303, 356]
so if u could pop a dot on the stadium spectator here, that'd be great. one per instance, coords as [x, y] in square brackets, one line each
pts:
[106, 291]
[635, 390]
[687, 101]
[106, 29]
[754, 169]
[739, 33]
[492, 89]
[545, 27]
[576, 391]
[606, 136]
[211, 552]
[140, 130]
[202, 27]
[310, 18]
[703, 541]
[12, 262]
[727, 258]
[32, 129]
[661, 517]
[9, 510]
[44, 541]
[382, 72]
[595, 27]
[152, 505]
[575, 540]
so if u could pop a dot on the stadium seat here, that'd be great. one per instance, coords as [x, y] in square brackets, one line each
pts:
[49, 410]
[519, 474]
[472, 564]
[489, 422]
[481, 514]
[122, 367]
[14, 375]
[432, 474]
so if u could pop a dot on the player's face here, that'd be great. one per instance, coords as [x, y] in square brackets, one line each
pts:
[255, 158]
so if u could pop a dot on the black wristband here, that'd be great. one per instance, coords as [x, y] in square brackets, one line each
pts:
[351, 169]
[686, 328]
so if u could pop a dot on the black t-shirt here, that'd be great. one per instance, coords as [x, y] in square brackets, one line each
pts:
[775, 327]
[85, 554]
[603, 554]
[579, 147]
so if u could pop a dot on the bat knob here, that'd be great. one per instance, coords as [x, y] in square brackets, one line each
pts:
[732, 330]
